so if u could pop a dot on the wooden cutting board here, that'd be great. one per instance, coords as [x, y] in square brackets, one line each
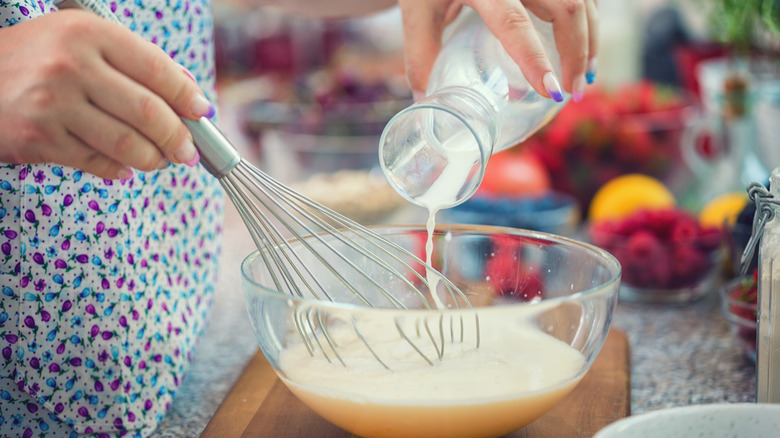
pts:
[260, 406]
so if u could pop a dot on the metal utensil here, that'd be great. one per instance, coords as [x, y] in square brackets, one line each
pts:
[282, 224]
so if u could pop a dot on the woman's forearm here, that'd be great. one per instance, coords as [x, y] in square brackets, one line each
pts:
[325, 8]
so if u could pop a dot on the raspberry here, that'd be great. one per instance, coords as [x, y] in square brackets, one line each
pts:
[603, 234]
[643, 246]
[688, 265]
[660, 248]
[661, 221]
[710, 238]
[684, 231]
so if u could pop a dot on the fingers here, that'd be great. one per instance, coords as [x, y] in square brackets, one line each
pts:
[570, 26]
[593, 39]
[114, 139]
[511, 23]
[148, 91]
[151, 67]
[423, 27]
[140, 110]
[575, 27]
[75, 153]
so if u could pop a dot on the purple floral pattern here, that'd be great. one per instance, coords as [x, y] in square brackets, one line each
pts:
[105, 286]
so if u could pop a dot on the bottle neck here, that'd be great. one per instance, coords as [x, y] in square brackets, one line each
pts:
[442, 141]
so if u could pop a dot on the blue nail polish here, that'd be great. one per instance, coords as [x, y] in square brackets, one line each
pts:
[557, 96]
[590, 77]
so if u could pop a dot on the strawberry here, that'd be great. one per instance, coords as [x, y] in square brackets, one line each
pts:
[503, 264]
[746, 297]
[506, 272]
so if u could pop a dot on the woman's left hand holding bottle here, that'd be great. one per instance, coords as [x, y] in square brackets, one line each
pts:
[575, 25]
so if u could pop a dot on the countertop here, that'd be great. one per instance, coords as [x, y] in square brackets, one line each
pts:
[679, 355]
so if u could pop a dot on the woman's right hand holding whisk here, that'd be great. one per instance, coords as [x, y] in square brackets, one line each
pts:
[78, 90]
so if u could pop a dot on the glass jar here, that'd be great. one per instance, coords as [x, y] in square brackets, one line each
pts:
[477, 103]
[766, 236]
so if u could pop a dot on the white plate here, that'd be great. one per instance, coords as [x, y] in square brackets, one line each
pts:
[735, 420]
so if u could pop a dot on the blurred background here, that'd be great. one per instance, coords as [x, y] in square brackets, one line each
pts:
[683, 116]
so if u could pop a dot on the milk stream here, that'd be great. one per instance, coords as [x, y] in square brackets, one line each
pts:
[443, 192]
[516, 375]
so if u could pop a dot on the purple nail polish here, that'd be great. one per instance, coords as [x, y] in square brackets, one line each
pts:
[212, 112]
[553, 87]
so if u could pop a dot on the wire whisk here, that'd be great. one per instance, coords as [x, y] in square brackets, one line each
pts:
[313, 252]
[303, 244]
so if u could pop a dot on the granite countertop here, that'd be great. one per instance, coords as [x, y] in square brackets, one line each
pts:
[679, 355]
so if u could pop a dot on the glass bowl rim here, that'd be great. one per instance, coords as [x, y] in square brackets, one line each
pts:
[605, 256]
[727, 302]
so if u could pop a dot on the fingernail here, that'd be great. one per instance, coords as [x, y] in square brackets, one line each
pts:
[578, 88]
[187, 154]
[553, 87]
[194, 161]
[188, 73]
[590, 73]
[125, 173]
[163, 163]
[202, 107]
[417, 95]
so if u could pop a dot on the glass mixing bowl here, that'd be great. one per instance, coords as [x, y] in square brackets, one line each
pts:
[539, 309]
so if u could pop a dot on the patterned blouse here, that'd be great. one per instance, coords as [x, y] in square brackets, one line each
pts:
[105, 286]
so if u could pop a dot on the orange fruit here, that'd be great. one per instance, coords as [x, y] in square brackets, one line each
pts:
[723, 209]
[626, 194]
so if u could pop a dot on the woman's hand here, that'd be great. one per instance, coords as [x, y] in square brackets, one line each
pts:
[575, 25]
[78, 90]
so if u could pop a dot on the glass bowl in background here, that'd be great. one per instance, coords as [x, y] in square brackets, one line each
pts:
[666, 256]
[541, 309]
[739, 305]
[554, 212]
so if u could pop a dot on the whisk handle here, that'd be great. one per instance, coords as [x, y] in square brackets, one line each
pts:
[217, 154]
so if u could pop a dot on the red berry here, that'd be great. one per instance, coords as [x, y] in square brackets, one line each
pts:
[530, 286]
[503, 264]
[643, 246]
[684, 231]
[688, 265]
[710, 239]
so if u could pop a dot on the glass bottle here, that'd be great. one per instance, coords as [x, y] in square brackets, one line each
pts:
[478, 102]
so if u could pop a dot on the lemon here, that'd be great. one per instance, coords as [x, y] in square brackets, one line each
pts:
[723, 210]
[625, 194]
